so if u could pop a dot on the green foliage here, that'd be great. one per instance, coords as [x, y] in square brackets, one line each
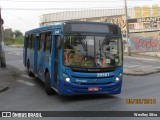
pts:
[17, 33]
[19, 40]
[16, 38]
[8, 40]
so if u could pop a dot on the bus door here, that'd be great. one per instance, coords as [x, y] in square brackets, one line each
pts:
[55, 56]
[40, 55]
[31, 52]
[44, 53]
[56, 51]
[25, 50]
[36, 44]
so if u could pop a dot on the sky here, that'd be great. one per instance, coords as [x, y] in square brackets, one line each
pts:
[24, 15]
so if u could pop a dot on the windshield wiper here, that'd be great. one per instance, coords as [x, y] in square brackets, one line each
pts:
[101, 48]
[82, 42]
[107, 51]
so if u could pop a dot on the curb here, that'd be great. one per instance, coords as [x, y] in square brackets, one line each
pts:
[141, 74]
[5, 88]
[140, 54]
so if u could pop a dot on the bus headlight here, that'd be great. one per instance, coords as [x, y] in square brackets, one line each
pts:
[66, 78]
[119, 77]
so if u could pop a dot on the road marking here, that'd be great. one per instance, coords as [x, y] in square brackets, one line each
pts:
[17, 54]
[22, 69]
[26, 83]
[134, 62]
[9, 53]
[26, 76]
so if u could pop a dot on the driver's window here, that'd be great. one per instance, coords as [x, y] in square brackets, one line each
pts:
[57, 43]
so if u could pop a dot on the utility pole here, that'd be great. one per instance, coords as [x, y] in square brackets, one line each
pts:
[2, 54]
[127, 30]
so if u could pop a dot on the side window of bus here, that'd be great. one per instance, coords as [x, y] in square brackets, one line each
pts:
[48, 42]
[27, 42]
[41, 41]
[56, 50]
[31, 41]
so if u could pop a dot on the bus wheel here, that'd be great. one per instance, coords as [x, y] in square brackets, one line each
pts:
[48, 89]
[29, 70]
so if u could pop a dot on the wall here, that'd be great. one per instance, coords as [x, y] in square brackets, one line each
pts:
[120, 21]
[144, 42]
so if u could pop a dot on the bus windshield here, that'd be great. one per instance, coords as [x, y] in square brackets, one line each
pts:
[91, 51]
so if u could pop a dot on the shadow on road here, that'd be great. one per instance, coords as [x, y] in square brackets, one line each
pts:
[75, 97]
[85, 97]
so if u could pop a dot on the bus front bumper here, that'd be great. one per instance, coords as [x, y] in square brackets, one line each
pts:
[68, 89]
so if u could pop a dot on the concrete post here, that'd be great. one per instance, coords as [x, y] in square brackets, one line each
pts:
[127, 29]
[2, 54]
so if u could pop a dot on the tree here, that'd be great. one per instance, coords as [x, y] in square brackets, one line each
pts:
[17, 33]
[15, 37]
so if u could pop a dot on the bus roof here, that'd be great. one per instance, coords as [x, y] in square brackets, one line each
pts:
[80, 22]
[63, 23]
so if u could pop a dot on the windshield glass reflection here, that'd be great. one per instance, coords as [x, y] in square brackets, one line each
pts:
[92, 51]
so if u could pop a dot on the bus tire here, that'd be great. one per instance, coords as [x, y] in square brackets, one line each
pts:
[48, 89]
[29, 69]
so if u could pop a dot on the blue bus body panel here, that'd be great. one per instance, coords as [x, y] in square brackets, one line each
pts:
[30, 57]
[92, 76]
[39, 60]
[75, 89]
[40, 65]
[47, 62]
[105, 85]
[43, 63]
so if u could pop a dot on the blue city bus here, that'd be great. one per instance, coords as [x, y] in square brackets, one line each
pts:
[75, 57]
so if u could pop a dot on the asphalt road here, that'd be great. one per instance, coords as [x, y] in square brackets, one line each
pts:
[28, 93]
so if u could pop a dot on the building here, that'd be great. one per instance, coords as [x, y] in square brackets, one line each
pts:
[143, 22]
[8, 32]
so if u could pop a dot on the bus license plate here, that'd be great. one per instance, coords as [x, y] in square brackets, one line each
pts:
[93, 89]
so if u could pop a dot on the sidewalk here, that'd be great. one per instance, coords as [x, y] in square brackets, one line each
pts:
[7, 77]
[153, 54]
[141, 70]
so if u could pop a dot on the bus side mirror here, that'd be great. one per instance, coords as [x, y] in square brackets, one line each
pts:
[59, 42]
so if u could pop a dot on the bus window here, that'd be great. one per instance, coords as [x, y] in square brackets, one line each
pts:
[30, 41]
[42, 38]
[33, 40]
[27, 42]
[48, 42]
[56, 42]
